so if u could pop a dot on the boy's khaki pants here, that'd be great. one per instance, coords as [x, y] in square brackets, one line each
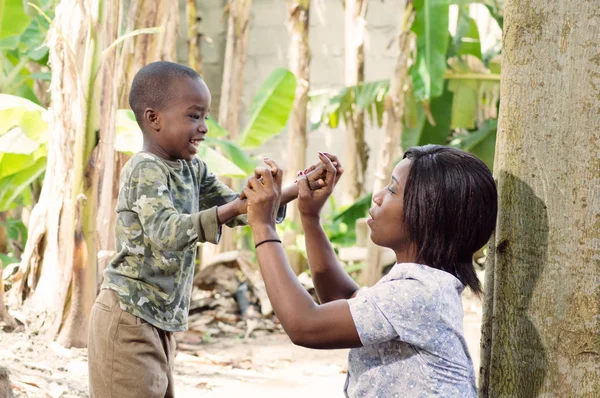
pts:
[127, 357]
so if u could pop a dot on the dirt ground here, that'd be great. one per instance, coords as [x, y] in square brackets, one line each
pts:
[264, 366]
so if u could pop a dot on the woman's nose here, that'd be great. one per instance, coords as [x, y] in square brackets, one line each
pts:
[377, 197]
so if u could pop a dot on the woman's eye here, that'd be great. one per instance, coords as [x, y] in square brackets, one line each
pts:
[390, 190]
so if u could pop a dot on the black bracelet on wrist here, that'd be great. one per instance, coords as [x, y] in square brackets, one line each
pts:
[265, 241]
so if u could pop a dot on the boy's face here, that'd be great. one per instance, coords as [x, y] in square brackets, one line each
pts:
[181, 125]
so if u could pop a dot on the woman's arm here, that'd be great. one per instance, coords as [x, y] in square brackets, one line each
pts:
[330, 280]
[306, 323]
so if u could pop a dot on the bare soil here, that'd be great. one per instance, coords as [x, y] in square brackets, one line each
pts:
[266, 365]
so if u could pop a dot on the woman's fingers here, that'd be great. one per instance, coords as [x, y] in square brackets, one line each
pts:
[265, 174]
[331, 170]
[276, 172]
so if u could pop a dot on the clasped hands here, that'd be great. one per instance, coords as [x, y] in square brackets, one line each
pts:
[315, 185]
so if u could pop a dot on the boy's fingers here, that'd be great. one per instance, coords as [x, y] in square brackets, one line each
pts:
[313, 167]
[247, 192]
[303, 187]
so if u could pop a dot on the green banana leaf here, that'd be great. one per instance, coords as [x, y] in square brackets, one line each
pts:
[467, 40]
[481, 142]
[28, 116]
[129, 137]
[240, 158]
[13, 21]
[431, 28]
[218, 164]
[214, 129]
[12, 186]
[270, 110]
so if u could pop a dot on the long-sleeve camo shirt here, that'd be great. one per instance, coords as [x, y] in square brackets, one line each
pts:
[164, 209]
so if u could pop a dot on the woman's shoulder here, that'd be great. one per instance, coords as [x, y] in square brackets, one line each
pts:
[424, 279]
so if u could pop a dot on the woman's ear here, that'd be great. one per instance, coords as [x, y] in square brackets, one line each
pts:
[152, 118]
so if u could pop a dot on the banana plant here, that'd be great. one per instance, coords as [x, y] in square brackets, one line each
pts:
[23, 55]
[460, 97]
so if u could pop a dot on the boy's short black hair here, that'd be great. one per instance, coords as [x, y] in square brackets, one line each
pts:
[152, 86]
[450, 208]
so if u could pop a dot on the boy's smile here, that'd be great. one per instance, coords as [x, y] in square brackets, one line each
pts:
[178, 129]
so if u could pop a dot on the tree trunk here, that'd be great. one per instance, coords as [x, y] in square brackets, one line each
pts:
[355, 158]
[144, 49]
[541, 326]
[391, 145]
[299, 53]
[238, 29]
[194, 36]
[61, 249]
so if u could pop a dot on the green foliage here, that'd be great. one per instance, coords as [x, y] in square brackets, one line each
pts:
[13, 19]
[22, 34]
[16, 234]
[327, 106]
[19, 112]
[270, 109]
[481, 142]
[466, 41]
[431, 28]
[240, 159]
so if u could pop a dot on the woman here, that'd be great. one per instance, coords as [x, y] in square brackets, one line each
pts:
[405, 332]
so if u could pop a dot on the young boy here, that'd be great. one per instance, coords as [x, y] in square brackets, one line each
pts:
[168, 201]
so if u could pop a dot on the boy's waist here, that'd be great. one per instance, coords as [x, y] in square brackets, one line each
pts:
[168, 312]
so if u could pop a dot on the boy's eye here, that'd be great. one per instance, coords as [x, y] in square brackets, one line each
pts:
[206, 117]
[195, 116]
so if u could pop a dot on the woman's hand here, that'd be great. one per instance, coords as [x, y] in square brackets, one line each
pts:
[311, 201]
[263, 194]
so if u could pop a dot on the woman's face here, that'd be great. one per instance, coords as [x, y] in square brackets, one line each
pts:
[386, 222]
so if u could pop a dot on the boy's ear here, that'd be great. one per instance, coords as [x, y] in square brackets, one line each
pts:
[151, 117]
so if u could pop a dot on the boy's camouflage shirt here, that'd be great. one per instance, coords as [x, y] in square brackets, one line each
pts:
[164, 209]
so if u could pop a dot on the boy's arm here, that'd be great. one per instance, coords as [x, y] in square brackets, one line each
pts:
[147, 193]
[230, 208]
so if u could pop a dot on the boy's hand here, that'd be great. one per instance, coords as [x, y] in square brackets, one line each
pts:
[241, 204]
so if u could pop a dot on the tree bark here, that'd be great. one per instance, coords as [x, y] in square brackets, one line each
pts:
[391, 145]
[356, 156]
[238, 29]
[144, 49]
[59, 262]
[541, 324]
[299, 53]
[194, 36]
